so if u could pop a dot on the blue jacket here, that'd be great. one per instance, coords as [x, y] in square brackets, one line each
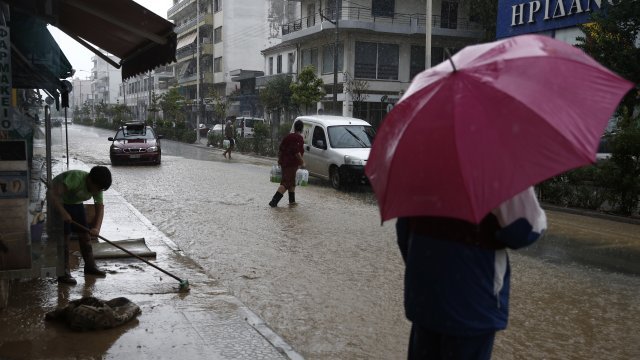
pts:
[457, 273]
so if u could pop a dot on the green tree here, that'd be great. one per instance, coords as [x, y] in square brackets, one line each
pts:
[485, 13]
[613, 39]
[307, 90]
[101, 110]
[276, 97]
[171, 105]
[154, 107]
[119, 112]
[220, 105]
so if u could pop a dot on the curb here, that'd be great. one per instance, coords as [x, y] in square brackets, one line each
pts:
[249, 316]
[595, 214]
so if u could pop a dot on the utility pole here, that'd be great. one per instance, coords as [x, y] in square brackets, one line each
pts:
[198, 71]
[335, 63]
[150, 86]
[334, 21]
[428, 25]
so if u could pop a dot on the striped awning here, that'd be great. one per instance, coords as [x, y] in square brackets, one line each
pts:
[187, 40]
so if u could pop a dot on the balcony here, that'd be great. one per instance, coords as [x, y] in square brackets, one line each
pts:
[177, 7]
[207, 18]
[262, 81]
[352, 17]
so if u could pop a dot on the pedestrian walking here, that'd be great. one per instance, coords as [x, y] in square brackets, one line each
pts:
[457, 277]
[290, 159]
[229, 135]
[67, 194]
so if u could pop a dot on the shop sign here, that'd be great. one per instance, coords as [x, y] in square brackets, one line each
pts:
[6, 122]
[517, 17]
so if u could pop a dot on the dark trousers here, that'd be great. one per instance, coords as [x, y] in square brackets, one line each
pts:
[425, 344]
[78, 215]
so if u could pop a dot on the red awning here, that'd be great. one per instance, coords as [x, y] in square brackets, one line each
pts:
[141, 39]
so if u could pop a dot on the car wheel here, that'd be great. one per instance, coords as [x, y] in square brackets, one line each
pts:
[334, 175]
[159, 160]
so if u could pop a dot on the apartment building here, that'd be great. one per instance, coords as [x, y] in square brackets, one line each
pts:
[217, 41]
[105, 80]
[136, 93]
[381, 47]
[80, 95]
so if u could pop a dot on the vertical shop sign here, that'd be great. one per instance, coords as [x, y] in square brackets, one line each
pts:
[6, 122]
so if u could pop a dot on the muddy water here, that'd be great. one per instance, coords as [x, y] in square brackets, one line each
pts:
[327, 277]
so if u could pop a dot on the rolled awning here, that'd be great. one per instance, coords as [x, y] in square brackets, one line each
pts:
[36, 58]
[141, 39]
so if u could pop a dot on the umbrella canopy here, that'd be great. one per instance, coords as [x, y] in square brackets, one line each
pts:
[510, 114]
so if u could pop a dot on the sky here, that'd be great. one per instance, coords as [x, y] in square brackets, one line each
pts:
[80, 57]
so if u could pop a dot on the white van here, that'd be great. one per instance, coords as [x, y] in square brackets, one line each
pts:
[244, 126]
[336, 148]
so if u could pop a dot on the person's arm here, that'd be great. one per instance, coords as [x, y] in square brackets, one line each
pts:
[522, 220]
[300, 159]
[97, 224]
[54, 196]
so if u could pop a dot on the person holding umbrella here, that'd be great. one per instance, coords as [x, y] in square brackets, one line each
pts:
[455, 162]
[457, 277]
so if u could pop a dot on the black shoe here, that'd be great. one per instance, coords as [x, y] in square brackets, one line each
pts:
[67, 279]
[94, 271]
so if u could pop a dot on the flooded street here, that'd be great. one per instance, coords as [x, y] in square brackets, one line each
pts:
[328, 278]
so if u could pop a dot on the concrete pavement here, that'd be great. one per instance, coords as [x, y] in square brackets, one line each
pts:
[205, 323]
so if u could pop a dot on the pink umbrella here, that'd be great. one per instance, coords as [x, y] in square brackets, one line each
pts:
[510, 114]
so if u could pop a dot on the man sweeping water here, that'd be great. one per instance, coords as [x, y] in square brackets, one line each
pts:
[67, 193]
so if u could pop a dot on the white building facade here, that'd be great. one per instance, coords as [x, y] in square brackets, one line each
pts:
[381, 47]
[217, 39]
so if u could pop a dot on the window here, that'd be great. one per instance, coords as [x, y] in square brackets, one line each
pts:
[382, 8]
[270, 65]
[217, 35]
[350, 136]
[437, 55]
[310, 57]
[365, 62]
[217, 5]
[318, 135]
[417, 61]
[376, 61]
[290, 62]
[217, 64]
[449, 15]
[327, 58]
[279, 64]
[388, 61]
[311, 15]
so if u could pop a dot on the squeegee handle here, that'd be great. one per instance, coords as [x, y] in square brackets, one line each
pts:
[128, 252]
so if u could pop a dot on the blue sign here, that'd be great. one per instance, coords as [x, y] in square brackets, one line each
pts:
[517, 17]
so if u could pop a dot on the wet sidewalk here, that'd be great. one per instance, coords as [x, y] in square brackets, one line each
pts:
[205, 323]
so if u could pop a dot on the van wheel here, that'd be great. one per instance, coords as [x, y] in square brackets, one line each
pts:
[334, 175]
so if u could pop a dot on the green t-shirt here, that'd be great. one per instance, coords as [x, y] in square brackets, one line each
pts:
[76, 192]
